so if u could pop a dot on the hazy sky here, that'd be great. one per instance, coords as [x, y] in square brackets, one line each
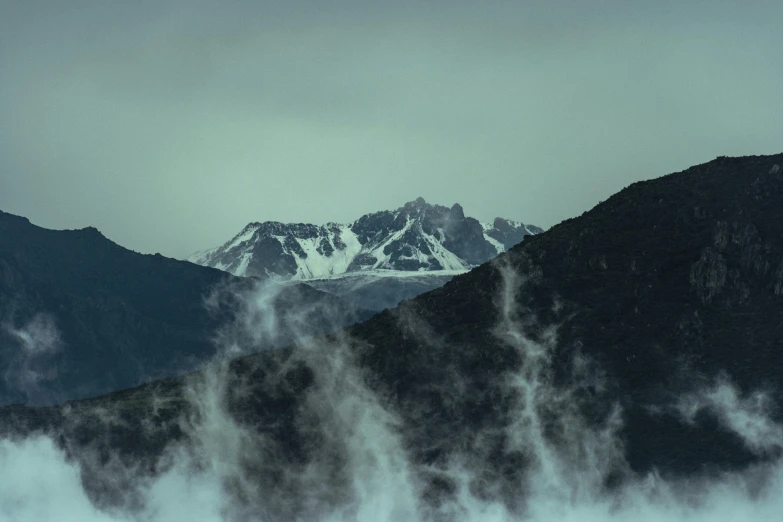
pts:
[169, 125]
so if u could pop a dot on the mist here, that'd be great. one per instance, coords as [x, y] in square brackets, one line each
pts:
[358, 464]
[30, 364]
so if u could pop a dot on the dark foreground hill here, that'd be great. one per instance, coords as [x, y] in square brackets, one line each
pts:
[81, 315]
[643, 335]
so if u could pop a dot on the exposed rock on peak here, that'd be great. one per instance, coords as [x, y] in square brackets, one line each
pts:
[457, 212]
[418, 236]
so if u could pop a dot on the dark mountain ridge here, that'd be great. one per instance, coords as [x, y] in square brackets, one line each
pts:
[83, 316]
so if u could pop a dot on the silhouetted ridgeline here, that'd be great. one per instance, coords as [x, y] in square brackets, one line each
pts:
[81, 315]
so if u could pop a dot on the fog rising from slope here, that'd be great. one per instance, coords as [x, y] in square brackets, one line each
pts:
[170, 124]
[361, 470]
[37, 341]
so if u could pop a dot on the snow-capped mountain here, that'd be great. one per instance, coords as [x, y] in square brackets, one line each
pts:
[417, 237]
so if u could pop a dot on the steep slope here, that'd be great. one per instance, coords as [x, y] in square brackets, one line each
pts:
[415, 237]
[643, 335]
[80, 315]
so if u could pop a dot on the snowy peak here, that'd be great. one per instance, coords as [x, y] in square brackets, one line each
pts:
[284, 251]
[508, 233]
[418, 237]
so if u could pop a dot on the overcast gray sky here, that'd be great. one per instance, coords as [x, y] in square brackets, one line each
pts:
[170, 124]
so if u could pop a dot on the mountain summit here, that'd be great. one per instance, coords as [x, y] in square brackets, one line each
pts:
[417, 237]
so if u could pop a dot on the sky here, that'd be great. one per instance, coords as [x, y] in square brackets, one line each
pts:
[170, 124]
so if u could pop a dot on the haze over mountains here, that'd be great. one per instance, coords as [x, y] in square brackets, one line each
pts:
[624, 363]
[374, 262]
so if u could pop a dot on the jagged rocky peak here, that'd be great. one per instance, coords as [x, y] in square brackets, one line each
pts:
[417, 203]
[456, 212]
[503, 225]
[418, 237]
[508, 233]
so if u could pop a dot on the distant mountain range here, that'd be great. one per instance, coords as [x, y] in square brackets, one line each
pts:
[431, 241]
[417, 237]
